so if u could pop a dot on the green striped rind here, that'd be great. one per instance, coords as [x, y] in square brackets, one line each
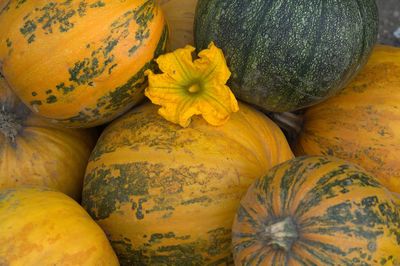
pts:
[285, 55]
[368, 218]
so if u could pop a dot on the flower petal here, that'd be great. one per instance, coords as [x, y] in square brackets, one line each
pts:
[189, 88]
[180, 114]
[162, 88]
[212, 65]
[179, 64]
[219, 106]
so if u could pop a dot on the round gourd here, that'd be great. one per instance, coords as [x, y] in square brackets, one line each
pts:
[180, 16]
[34, 151]
[286, 55]
[80, 63]
[362, 123]
[317, 211]
[167, 195]
[44, 227]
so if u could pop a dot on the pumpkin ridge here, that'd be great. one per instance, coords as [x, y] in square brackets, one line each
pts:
[251, 44]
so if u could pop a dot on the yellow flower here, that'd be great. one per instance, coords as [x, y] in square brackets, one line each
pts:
[187, 87]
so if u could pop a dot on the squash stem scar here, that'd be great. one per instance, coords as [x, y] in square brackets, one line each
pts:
[282, 234]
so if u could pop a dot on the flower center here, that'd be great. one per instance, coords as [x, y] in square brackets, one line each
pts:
[194, 88]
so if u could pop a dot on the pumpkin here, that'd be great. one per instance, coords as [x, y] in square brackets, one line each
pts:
[317, 210]
[167, 195]
[286, 55]
[362, 123]
[180, 16]
[39, 226]
[80, 63]
[34, 151]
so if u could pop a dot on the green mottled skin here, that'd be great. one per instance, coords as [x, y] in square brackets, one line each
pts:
[286, 55]
[123, 97]
[50, 17]
[135, 179]
[54, 18]
[367, 217]
[182, 254]
[104, 193]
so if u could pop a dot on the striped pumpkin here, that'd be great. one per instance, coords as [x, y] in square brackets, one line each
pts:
[362, 123]
[43, 227]
[34, 151]
[317, 211]
[80, 62]
[285, 55]
[167, 195]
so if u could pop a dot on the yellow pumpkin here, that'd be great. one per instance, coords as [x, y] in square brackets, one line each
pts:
[180, 17]
[44, 227]
[167, 195]
[362, 123]
[80, 63]
[34, 151]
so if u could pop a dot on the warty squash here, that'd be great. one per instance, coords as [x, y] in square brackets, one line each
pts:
[362, 123]
[80, 63]
[39, 226]
[165, 194]
[34, 151]
[317, 210]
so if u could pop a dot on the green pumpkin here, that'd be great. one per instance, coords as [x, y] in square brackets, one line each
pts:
[286, 55]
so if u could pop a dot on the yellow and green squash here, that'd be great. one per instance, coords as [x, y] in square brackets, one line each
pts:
[167, 195]
[317, 210]
[80, 63]
[362, 123]
[34, 151]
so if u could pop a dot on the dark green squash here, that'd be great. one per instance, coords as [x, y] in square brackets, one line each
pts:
[286, 55]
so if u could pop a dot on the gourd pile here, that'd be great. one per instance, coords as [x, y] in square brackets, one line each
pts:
[198, 132]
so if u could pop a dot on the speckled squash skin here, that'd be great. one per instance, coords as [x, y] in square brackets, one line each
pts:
[362, 123]
[39, 152]
[44, 227]
[326, 211]
[180, 17]
[80, 62]
[167, 195]
[286, 55]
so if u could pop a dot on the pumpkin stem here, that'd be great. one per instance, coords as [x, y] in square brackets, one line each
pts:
[290, 123]
[10, 125]
[282, 234]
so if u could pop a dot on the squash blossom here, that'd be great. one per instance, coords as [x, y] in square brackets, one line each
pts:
[187, 87]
